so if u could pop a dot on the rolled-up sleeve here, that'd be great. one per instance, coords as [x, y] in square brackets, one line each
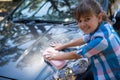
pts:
[93, 47]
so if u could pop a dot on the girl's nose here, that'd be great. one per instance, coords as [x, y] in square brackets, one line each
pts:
[81, 24]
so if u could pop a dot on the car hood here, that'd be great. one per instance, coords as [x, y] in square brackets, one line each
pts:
[22, 46]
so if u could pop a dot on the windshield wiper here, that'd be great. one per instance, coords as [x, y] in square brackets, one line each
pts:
[39, 21]
[4, 77]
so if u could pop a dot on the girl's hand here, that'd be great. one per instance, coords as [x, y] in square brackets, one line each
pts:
[49, 53]
[57, 46]
[49, 56]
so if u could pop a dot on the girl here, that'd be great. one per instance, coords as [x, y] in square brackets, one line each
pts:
[102, 44]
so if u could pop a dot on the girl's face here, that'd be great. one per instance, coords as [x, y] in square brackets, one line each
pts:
[88, 24]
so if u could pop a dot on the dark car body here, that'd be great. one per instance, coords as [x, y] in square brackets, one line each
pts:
[28, 31]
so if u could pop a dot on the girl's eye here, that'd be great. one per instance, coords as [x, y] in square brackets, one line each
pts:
[87, 19]
[79, 21]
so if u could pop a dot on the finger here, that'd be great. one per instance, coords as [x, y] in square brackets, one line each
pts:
[47, 57]
[52, 44]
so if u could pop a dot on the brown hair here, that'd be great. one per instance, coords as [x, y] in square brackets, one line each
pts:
[89, 7]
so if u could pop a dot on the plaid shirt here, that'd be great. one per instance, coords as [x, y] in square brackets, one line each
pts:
[103, 48]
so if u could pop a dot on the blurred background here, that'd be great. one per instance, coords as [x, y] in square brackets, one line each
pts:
[7, 6]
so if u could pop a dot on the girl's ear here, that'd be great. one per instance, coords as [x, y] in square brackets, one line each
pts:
[100, 16]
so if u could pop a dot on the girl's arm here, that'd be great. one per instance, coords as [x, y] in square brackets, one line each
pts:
[76, 42]
[62, 56]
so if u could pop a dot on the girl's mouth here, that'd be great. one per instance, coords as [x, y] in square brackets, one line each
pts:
[86, 29]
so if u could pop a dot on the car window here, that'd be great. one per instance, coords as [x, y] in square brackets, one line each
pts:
[54, 10]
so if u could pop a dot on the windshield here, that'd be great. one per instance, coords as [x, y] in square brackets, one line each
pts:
[46, 10]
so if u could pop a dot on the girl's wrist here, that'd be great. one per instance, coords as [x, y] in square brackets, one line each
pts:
[64, 46]
[58, 55]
